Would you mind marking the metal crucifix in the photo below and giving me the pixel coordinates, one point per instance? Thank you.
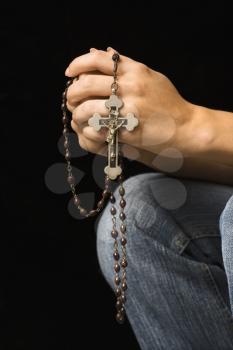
(113, 122)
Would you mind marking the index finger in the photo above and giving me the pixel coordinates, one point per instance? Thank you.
(96, 60)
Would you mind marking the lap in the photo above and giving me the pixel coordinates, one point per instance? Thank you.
(174, 259)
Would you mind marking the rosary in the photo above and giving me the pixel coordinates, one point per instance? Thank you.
(113, 172)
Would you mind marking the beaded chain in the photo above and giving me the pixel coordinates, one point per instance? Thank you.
(120, 261)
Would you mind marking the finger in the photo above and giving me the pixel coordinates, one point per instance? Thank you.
(96, 60)
(70, 107)
(89, 86)
(92, 146)
(89, 133)
(85, 110)
(93, 135)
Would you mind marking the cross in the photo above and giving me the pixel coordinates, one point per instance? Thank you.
(113, 122)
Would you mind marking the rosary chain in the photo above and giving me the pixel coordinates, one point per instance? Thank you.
(70, 176)
(120, 263)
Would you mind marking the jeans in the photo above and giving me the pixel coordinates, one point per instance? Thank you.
(180, 261)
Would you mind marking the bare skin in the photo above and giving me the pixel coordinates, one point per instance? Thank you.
(169, 126)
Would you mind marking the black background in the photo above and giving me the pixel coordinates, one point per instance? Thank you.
(53, 295)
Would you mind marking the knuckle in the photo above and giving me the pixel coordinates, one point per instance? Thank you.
(141, 68)
(86, 81)
(83, 143)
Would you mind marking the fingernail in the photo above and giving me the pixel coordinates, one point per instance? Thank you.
(92, 49)
(67, 72)
(109, 48)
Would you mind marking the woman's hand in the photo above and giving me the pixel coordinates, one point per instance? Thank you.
(165, 118)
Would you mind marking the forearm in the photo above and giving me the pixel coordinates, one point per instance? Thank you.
(206, 145)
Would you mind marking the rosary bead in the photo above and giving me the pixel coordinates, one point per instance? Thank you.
(114, 234)
(124, 263)
(121, 178)
(122, 310)
(92, 213)
(64, 94)
(115, 57)
(123, 228)
(105, 194)
(83, 211)
(76, 201)
(100, 203)
(66, 143)
(117, 280)
(122, 191)
(64, 119)
(123, 241)
(71, 180)
(118, 292)
(123, 298)
(116, 256)
(63, 107)
(107, 181)
(65, 131)
(112, 199)
(67, 155)
(117, 267)
(69, 82)
(122, 203)
(113, 210)
(124, 286)
(122, 215)
(118, 304)
(120, 317)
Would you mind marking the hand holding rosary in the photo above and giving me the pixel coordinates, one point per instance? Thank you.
(113, 172)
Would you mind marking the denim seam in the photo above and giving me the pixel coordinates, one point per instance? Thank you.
(218, 294)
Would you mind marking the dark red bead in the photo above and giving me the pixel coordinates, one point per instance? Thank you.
(122, 215)
(120, 318)
(123, 241)
(115, 57)
(123, 228)
(117, 267)
(69, 82)
(117, 280)
(124, 263)
(118, 292)
(114, 234)
(92, 213)
(67, 155)
(112, 199)
(83, 211)
(66, 143)
(71, 180)
(120, 178)
(76, 201)
(65, 131)
(113, 210)
(105, 194)
(122, 203)
(124, 286)
(100, 203)
(122, 191)
(123, 298)
(118, 304)
(64, 119)
(116, 255)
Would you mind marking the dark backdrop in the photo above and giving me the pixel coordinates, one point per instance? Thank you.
(53, 295)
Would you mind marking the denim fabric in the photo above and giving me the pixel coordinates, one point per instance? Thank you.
(180, 270)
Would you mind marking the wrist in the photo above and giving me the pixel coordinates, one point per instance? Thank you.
(198, 133)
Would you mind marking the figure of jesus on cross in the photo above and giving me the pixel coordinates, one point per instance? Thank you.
(113, 122)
